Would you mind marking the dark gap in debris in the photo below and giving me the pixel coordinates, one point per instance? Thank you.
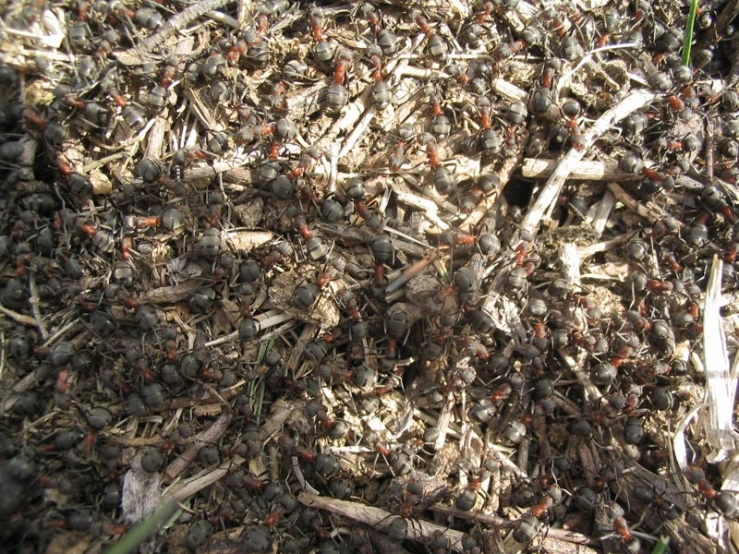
(518, 192)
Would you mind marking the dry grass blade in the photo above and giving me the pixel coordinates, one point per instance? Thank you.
(720, 400)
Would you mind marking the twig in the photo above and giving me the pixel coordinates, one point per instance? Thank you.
(422, 531)
(185, 490)
(553, 540)
(587, 170)
(19, 318)
(34, 300)
(264, 321)
(550, 193)
(653, 212)
(410, 272)
(442, 425)
(309, 331)
(570, 260)
(709, 146)
(223, 18)
(179, 21)
(209, 436)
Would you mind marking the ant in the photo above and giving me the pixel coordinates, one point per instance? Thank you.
(654, 175)
(115, 94)
(616, 514)
(551, 67)
(342, 64)
(168, 73)
(731, 252)
(316, 21)
(725, 502)
(423, 24)
(508, 50)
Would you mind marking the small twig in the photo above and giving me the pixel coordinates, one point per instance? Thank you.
(19, 318)
(709, 146)
(206, 478)
(410, 272)
(442, 426)
(309, 331)
(550, 193)
(570, 260)
(179, 21)
(223, 18)
(553, 540)
(720, 385)
(586, 170)
(34, 300)
(264, 321)
(418, 530)
(586, 252)
(653, 213)
(209, 436)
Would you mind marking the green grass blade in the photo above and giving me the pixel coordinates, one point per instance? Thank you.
(661, 546)
(143, 530)
(688, 42)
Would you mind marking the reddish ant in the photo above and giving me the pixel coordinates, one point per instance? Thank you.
(657, 176)
(302, 226)
(725, 502)
(423, 24)
(315, 20)
(508, 50)
(731, 252)
(376, 62)
(305, 454)
(476, 348)
(115, 94)
(274, 516)
(432, 154)
(675, 103)
(576, 136)
(73, 102)
(341, 67)
(34, 119)
(670, 260)
(550, 70)
(62, 381)
(659, 286)
(483, 12)
(622, 529)
(501, 393)
(169, 72)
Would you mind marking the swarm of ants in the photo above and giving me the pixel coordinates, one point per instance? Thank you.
(274, 260)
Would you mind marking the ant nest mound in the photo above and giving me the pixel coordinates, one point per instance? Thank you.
(439, 276)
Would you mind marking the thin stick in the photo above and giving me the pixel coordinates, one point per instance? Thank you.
(19, 318)
(550, 193)
(34, 300)
(653, 213)
(179, 21)
(422, 531)
(553, 540)
(209, 436)
(587, 170)
(410, 272)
